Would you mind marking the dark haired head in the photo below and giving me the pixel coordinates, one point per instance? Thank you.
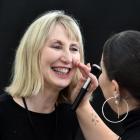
(121, 58)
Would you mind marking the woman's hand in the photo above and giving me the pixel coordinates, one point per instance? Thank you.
(85, 73)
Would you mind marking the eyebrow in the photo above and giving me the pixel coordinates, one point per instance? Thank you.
(61, 43)
(57, 41)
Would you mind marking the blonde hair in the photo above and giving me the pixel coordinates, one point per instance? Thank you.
(27, 79)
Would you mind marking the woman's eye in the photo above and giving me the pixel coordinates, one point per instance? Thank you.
(56, 46)
(75, 49)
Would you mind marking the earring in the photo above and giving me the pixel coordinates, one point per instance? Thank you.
(117, 101)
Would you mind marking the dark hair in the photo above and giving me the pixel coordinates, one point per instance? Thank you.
(121, 58)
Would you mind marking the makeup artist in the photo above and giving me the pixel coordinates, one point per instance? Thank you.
(120, 83)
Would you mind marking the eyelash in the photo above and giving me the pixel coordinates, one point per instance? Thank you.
(56, 46)
(74, 49)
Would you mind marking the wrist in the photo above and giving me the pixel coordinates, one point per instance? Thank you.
(83, 106)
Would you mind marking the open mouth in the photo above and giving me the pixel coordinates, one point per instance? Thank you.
(61, 70)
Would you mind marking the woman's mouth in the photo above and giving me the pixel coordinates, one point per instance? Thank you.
(61, 70)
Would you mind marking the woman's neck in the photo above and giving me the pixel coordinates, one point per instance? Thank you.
(42, 103)
(132, 104)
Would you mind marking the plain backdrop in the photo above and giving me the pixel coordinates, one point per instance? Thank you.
(98, 19)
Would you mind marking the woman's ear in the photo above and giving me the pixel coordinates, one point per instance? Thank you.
(115, 87)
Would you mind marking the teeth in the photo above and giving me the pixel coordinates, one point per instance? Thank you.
(61, 70)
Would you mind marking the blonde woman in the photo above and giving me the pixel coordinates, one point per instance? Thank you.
(48, 73)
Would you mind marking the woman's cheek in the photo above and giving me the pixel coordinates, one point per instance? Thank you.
(76, 58)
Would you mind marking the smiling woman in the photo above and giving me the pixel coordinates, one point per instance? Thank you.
(57, 58)
(49, 71)
(42, 36)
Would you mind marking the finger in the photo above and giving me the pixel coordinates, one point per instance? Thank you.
(84, 69)
(89, 66)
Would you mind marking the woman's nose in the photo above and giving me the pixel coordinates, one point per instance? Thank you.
(66, 57)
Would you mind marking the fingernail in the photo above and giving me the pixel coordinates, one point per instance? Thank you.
(88, 64)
